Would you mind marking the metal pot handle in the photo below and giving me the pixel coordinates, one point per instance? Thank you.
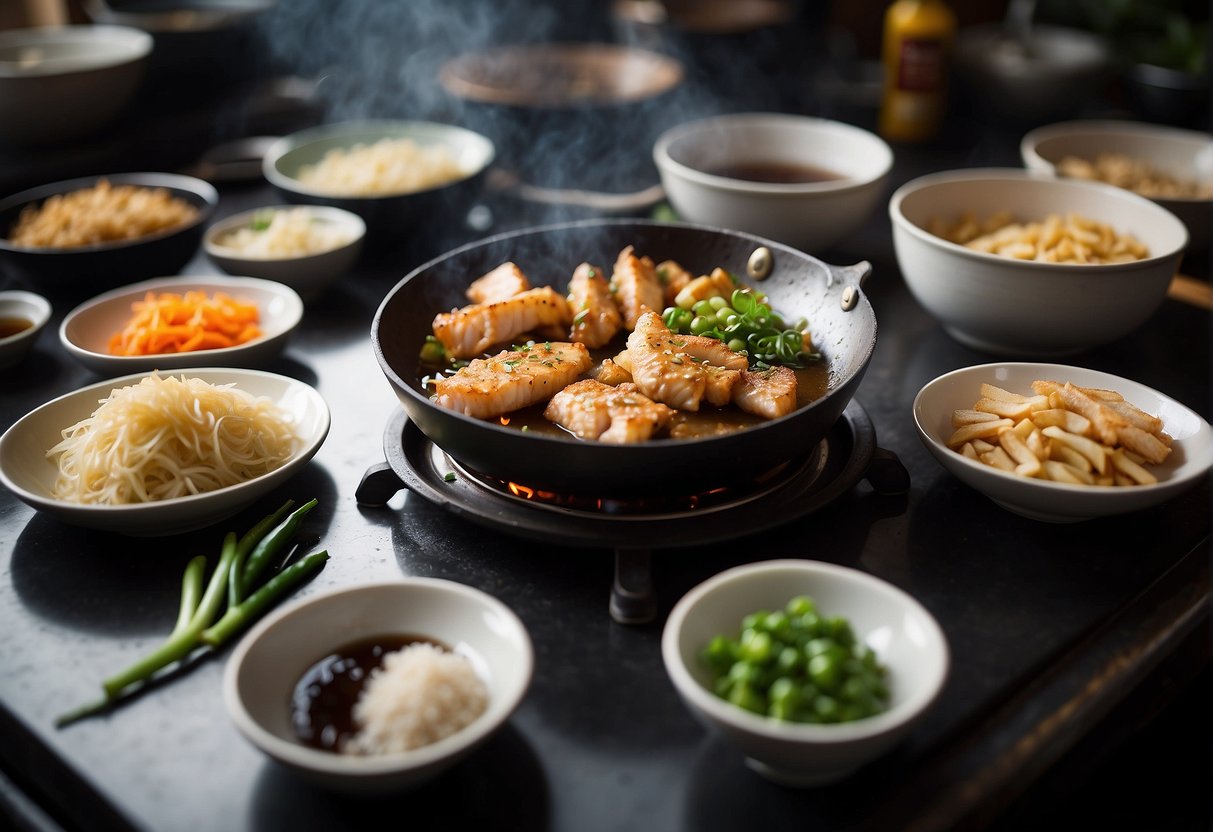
(852, 279)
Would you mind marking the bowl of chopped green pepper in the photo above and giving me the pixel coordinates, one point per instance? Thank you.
(811, 669)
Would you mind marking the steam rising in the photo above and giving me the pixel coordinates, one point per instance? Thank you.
(383, 58)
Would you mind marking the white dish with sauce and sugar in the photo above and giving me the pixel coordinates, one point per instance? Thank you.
(269, 662)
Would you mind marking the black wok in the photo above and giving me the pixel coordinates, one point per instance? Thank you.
(840, 317)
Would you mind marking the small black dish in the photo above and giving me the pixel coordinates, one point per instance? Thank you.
(87, 270)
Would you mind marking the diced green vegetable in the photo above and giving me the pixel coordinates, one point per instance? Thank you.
(746, 324)
(433, 351)
(797, 665)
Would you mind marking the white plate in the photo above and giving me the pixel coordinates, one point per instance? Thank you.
(1190, 459)
(86, 330)
(29, 474)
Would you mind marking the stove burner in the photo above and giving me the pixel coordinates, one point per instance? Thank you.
(633, 529)
(669, 506)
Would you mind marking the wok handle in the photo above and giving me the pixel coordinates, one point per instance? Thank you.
(379, 485)
(851, 278)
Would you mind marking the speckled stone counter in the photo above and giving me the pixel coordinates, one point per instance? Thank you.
(1049, 625)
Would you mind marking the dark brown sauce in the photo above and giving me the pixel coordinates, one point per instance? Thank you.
(11, 325)
(774, 172)
(322, 704)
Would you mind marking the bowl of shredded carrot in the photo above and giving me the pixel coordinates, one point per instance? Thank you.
(175, 322)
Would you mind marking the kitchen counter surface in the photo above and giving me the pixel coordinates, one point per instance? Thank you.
(1050, 626)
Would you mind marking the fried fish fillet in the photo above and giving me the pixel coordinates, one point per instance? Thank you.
(472, 330)
(596, 318)
(621, 415)
(769, 393)
(503, 282)
(512, 379)
(635, 286)
(675, 369)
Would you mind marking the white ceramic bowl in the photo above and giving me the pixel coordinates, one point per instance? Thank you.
(267, 663)
(30, 475)
(308, 274)
(59, 83)
(1183, 154)
(21, 306)
(395, 213)
(1189, 461)
(904, 635)
(1027, 308)
(811, 216)
(86, 330)
(1060, 68)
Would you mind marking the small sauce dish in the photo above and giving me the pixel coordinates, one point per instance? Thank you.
(22, 317)
(267, 666)
(311, 247)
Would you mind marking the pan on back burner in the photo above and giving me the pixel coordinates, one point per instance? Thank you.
(634, 528)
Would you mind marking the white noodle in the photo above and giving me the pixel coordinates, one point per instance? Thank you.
(170, 437)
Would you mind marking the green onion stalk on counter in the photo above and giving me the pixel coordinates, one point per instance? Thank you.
(250, 578)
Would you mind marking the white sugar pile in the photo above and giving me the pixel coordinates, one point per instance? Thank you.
(421, 694)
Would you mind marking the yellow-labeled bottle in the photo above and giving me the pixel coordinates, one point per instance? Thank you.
(917, 46)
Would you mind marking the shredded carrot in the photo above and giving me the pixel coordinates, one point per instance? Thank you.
(170, 322)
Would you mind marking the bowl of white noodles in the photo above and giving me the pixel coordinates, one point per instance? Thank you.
(163, 453)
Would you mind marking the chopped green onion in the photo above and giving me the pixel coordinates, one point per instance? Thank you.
(433, 351)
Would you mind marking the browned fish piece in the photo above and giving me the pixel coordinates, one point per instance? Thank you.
(620, 415)
(719, 384)
(672, 277)
(677, 369)
(768, 393)
(611, 373)
(503, 282)
(512, 379)
(472, 330)
(635, 287)
(712, 351)
(596, 318)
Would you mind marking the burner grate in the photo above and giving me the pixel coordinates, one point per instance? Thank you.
(847, 455)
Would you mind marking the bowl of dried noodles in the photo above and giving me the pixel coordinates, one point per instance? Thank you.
(155, 453)
(81, 236)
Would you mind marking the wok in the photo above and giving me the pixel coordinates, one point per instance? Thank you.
(840, 317)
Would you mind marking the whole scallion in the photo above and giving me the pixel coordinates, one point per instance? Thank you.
(235, 588)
